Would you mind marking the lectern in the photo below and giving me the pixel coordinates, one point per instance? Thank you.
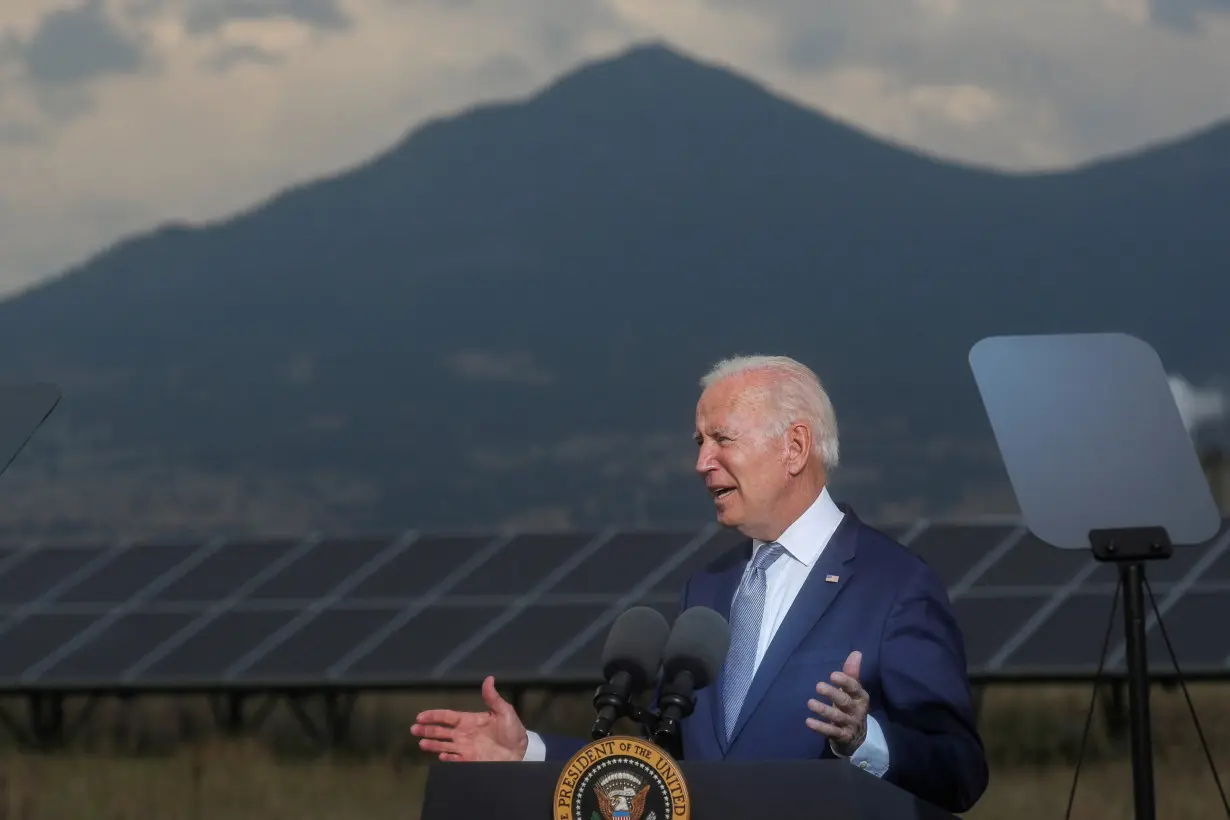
(625, 787)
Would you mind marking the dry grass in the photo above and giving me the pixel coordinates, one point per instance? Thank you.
(162, 759)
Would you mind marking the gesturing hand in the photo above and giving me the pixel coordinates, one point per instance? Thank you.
(496, 734)
(845, 722)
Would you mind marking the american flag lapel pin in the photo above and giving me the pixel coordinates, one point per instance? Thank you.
(832, 579)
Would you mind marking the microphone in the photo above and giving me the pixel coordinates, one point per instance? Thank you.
(630, 659)
(694, 654)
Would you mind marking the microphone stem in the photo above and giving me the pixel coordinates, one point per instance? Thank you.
(677, 702)
(611, 701)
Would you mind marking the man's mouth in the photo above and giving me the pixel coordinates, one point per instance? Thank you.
(721, 492)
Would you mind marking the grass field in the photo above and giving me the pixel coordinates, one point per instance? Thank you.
(156, 759)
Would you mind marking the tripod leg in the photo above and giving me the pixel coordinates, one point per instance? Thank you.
(1138, 688)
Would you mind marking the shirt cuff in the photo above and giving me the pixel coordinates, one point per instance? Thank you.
(536, 750)
(872, 755)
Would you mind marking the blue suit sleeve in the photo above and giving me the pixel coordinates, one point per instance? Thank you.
(927, 713)
(557, 747)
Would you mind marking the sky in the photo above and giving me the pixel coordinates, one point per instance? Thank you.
(120, 115)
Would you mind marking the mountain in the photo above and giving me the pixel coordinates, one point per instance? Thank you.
(503, 317)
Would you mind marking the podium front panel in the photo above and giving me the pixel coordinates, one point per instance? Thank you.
(783, 790)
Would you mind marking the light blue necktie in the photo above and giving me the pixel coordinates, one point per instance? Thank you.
(745, 616)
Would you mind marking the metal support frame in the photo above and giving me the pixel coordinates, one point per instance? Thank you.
(324, 715)
(46, 726)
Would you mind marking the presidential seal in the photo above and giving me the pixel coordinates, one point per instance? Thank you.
(621, 778)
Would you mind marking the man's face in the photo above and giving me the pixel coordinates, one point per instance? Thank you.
(744, 470)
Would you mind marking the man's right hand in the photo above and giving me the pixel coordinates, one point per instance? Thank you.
(494, 735)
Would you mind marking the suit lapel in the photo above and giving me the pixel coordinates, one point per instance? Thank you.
(718, 597)
(809, 606)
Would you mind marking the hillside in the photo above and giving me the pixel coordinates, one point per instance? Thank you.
(504, 316)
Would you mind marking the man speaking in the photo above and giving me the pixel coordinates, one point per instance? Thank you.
(842, 642)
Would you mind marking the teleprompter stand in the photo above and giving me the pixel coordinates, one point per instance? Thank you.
(1099, 459)
(1130, 548)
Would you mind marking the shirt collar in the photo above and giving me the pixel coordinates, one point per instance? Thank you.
(806, 538)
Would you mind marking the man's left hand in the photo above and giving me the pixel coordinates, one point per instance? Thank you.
(845, 722)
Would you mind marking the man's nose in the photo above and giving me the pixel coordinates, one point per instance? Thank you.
(704, 460)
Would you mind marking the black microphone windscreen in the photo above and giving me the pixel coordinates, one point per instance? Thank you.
(698, 644)
(634, 644)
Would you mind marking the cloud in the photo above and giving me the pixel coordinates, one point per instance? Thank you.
(1046, 83)
(1199, 407)
(229, 57)
(209, 15)
(1187, 15)
(116, 115)
(238, 111)
(77, 44)
(50, 61)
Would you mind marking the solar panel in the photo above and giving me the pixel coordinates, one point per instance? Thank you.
(130, 572)
(204, 654)
(27, 641)
(721, 542)
(311, 651)
(1196, 626)
(524, 562)
(953, 550)
(643, 587)
(454, 608)
(1174, 568)
(221, 573)
(104, 658)
(10, 556)
(1069, 642)
(420, 567)
(1034, 563)
(40, 571)
(622, 562)
(580, 665)
(988, 623)
(529, 640)
(320, 570)
(894, 531)
(1219, 570)
(1070, 639)
(414, 649)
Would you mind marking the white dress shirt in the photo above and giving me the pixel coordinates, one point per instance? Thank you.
(803, 542)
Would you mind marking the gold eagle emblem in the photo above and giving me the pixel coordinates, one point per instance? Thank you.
(634, 804)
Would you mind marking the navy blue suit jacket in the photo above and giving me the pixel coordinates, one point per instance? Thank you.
(892, 607)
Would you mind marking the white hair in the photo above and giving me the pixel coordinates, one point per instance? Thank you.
(796, 395)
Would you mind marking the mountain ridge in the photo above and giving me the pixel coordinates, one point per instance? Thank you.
(1210, 142)
(503, 315)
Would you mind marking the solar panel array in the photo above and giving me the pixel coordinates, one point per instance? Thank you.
(432, 608)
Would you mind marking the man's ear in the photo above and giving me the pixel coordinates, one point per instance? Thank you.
(798, 448)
